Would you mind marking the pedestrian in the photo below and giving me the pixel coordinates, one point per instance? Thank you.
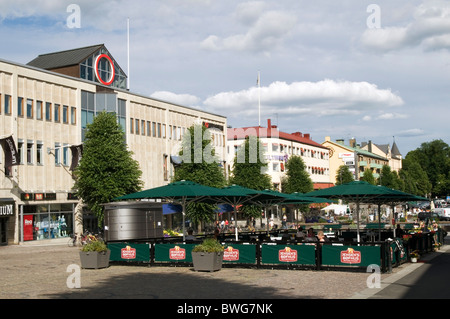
(322, 237)
(300, 234)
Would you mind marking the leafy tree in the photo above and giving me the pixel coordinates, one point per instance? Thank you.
(416, 176)
(368, 177)
(434, 158)
(248, 171)
(106, 169)
(343, 175)
(388, 178)
(200, 165)
(297, 178)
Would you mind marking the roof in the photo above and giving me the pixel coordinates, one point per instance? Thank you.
(263, 132)
(65, 58)
(358, 150)
(395, 151)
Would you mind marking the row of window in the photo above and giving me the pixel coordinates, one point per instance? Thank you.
(31, 109)
(155, 129)
(31, 152)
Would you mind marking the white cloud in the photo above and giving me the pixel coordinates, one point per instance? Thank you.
(392, 116)
(327, 97)
(429, 28)
(411, 132)
(181, 99)
(263, 34)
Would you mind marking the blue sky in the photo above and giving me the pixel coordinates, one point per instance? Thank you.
(343, 69)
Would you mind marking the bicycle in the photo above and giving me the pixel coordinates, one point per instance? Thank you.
(76, 240)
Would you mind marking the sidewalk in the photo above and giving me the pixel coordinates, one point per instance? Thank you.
(41, 272)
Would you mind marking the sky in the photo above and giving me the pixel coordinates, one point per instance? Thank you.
(375, 70)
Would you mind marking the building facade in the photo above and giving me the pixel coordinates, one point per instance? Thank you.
(278, 147)
(45, 107)
(353, 156)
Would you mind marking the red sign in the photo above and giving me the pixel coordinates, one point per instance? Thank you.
(231, 254)
(128, 253)
(27, 227)
(350, 256)
(177, 253)
(287, 255)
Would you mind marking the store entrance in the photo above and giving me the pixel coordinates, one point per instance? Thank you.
(3, 231)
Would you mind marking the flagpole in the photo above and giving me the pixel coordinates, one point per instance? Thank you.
(259, 99)
(128, 53)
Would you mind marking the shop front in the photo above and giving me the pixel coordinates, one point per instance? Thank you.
(6, 220)
(46, 221)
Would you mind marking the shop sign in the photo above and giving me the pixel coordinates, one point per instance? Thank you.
(128, 253)
(6, 210)
(288, 255)
(350, 256)
(177, 253)
(27, 227)
(231, 254)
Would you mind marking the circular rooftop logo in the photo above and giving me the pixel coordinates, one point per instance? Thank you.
(97, 71)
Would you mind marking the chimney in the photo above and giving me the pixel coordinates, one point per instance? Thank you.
(307, 135)
(269, 123)
(340, 141)
(370, 146)
(299, 134)
(352, 142)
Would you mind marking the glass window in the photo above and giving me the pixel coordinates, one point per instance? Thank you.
(66, 155)
(20, 106)
(29, 108)
(65, 114)
(39, 148)
(57, 112)
(154, 129)
(20, 151)
(30, 152)
(143, 127)
(48, 111)
(57, 154)
(73, 115)
(7, 104)
(131, 125)
(137, 126)
(149, 131)
(39, 110)
(159, 129)
(164, 130)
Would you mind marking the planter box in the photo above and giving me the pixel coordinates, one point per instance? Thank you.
(207, 261)
(94, 260)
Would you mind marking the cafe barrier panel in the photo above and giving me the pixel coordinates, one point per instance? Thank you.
(290, 254)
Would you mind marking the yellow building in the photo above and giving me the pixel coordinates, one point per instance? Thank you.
(45, 107)
(356, 158)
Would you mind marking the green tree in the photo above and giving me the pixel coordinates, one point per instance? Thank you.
(388, 178)
(416, 176)
(248, 171)
(343, 175)
(106, 169)
(368, 177)
(434, 159)
(297, 178)
(200, 165)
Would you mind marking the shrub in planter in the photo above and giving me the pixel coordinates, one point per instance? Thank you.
(208, 256)
(95, 255)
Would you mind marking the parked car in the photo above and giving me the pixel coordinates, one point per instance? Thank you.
(431, 215)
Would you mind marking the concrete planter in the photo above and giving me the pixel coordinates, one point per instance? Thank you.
(207, 261)
(94, 259)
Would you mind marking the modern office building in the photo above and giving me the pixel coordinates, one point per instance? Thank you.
(45, 107)
(279, 147)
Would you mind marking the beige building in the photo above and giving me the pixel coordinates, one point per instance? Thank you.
(279, 147)
(45, 107)
(353, 156)
(385, 150)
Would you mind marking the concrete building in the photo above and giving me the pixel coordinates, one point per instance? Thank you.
(352, 155)
(385, 150)
(279, 147)
(45, 107)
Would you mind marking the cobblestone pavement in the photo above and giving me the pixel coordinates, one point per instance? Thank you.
(41, 272)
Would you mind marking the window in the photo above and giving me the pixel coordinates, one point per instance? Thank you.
(39, 157)
(57, 154)
(66, 155)
(7, 104)
(164, 130)
(48, 111)
(73, 115)
(65, 114)
(170, 131)
(149, 131)
(143, 127)
(0, 103)
(165, 171)
(29, 108)
(131, 125)
(30, 152)
(20, 106)
(159, 129)
(154, 129)
(57, 113)
(20, 151)
(39, 110)
(137, 126)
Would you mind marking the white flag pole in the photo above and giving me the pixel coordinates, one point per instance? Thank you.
(259, 99)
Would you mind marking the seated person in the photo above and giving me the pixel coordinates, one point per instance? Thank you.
(190, 235)
(300, 233)
(321, 236)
